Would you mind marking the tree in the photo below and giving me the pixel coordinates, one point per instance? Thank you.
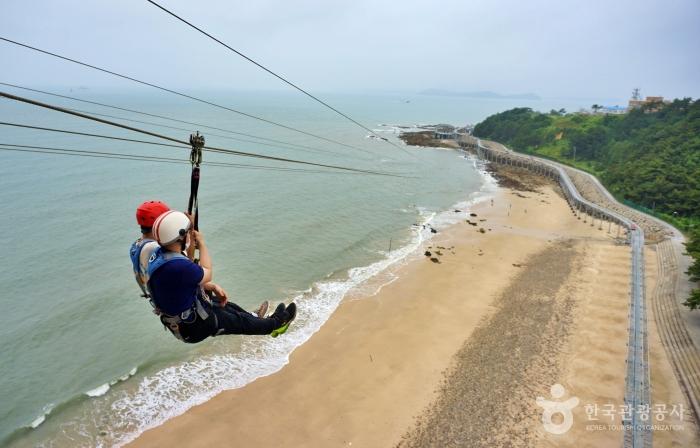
(693, 302)
(589, 143)
(650, 158)
(692, 248)
(596, 108)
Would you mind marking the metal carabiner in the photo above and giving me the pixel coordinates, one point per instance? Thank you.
(197, 142)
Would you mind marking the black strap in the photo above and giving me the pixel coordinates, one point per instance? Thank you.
(197, 142)
(193, 203)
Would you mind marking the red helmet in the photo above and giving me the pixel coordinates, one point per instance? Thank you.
(149, 211)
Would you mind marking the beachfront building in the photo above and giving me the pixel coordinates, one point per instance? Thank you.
(467, 129)
(445, 132)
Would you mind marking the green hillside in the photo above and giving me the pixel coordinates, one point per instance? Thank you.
(649, 158)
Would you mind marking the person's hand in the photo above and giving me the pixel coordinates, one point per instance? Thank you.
(220, 294)
(198, 238)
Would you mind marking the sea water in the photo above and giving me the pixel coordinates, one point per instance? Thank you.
(84, 361)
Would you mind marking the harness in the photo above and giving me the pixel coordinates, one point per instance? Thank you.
(147, 255)
(140, 252)
(157, 259)
(189, 316)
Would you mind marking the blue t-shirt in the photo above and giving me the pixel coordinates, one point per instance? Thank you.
(174, 285)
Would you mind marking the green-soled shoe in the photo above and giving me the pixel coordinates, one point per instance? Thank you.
(291, 313)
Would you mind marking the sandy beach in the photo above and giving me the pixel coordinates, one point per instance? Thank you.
(455, 353)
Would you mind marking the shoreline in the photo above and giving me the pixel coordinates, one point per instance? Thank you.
(337, 326)
(416, 360)
(385, 355)
(374, 277)
(377, 280)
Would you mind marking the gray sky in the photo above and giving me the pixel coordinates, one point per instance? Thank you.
(588, 49)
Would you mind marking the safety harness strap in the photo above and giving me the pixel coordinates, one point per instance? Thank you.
(193, 204)
(159, 258)
(189, 316)
(197, 142)
(140, 253)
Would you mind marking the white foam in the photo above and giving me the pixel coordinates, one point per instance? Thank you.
(124, 377)
(42, 418)
(398, 129)
(38, 421)
(98, 391)
(172, 391)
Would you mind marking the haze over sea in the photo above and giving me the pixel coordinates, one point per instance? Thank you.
(85, 362)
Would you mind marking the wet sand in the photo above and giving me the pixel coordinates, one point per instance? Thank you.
(451, 353)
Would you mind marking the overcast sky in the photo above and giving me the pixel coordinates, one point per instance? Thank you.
(556, 49)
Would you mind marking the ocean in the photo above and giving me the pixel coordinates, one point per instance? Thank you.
(84, 361)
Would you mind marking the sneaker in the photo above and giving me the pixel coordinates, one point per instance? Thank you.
(279, 313)
(262, 310)
(288, 315)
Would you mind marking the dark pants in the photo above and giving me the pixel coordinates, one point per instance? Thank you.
(231, 319)
(233, 307)
(235, 320)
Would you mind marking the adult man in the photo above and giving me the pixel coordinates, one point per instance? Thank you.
(142, 249)
(180, 289)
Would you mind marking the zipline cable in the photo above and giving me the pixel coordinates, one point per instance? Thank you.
(131, 140)
(316, 151)
(184, 95)
(138, 157)
(87, 134)
(281, 78)
(59, 151)
(182, 142)
(163, 117)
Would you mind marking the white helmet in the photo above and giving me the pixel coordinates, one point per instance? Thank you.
(170, 227)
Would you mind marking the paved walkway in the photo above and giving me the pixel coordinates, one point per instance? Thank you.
(679, 327)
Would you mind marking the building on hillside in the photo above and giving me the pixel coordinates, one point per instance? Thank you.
(615, 110)
(639, 103)
(604, 110)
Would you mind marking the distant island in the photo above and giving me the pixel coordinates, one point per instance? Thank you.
(481, 94)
